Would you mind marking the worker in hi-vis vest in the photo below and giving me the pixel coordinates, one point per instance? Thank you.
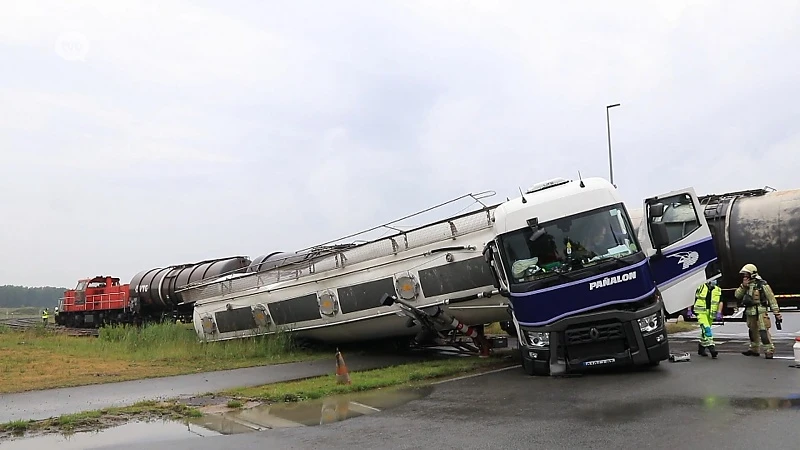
(707, 307)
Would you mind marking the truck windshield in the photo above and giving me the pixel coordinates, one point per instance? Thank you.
(567, 244)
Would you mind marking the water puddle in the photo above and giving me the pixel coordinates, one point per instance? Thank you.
(221, 420)
(757, 403)
(130, 433)
(309, 413)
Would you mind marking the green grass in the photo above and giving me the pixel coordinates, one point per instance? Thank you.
(318, 387)
(91, 420)
(40, 359)
(680, 327)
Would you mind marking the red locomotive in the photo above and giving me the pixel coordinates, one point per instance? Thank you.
(100, 299)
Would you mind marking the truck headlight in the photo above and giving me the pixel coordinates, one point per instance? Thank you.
(536, 339)
(650, 323)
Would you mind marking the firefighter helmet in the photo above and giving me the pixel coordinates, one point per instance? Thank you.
(749, 269)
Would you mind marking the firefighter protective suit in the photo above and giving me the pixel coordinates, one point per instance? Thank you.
(756, 296)
(706, 308)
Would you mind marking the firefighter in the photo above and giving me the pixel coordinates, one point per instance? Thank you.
(706, 308)
(44, 316)
(756, 296)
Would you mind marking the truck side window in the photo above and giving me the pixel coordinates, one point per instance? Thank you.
(679, 216)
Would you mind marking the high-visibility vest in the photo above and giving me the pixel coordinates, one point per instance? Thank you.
(701, 295)
(44, 314)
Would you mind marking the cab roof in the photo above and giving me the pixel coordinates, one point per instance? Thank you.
(554, 199)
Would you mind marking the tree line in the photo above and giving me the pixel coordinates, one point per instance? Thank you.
(19, 296)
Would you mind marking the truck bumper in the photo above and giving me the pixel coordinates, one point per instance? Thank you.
(599, 340)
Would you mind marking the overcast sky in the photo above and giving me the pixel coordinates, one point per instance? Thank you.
(137, 134)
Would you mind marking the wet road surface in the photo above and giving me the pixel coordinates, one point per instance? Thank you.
(44, 404)
(733, 336)
(733, 402)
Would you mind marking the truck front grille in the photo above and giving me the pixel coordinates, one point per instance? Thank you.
(595, 333)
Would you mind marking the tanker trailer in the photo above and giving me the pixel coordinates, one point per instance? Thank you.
(759, 226)
(153, 292)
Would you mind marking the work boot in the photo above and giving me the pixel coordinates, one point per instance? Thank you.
(701, 350)
(769, 355)
(750, 353)
(713, 351)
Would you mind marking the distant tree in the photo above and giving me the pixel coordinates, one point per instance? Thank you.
(39, 297)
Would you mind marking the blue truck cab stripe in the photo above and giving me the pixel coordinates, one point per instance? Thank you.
(625, 285)
(542, 307)
(680, 262)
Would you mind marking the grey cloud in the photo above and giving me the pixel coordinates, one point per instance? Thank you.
(198, 131)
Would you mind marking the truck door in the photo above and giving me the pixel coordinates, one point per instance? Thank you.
(677, 240)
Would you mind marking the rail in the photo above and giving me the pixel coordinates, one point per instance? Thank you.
(324, 257)
(21, 324)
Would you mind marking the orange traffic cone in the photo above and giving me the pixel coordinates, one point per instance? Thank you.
(342, 374)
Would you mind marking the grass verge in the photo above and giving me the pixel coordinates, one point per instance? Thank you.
(94, 420)
(40, 359)
(318, 387)
(680, 327)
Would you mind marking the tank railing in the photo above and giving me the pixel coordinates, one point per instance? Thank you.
(708, 198)
(340, 254)
(339, 259)
(469, 223)
(476, 197)
(477, 221)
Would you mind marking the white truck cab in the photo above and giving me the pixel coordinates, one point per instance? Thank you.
(585, 289)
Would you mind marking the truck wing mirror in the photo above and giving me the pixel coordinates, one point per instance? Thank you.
(660, 236)
(487, 252)
(655, 210)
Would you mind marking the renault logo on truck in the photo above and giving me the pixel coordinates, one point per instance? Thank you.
(608, 281)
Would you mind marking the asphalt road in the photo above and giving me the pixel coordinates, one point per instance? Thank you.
(733, 402)
(734, 336)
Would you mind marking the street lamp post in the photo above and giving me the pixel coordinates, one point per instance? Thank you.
(608, 126)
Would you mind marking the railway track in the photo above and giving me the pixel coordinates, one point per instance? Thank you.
(30, 322)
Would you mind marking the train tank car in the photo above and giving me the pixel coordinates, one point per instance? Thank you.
(153, 291)
(759, 226)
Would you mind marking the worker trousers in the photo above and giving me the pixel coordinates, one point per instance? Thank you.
(758, 326)
(706, 335)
